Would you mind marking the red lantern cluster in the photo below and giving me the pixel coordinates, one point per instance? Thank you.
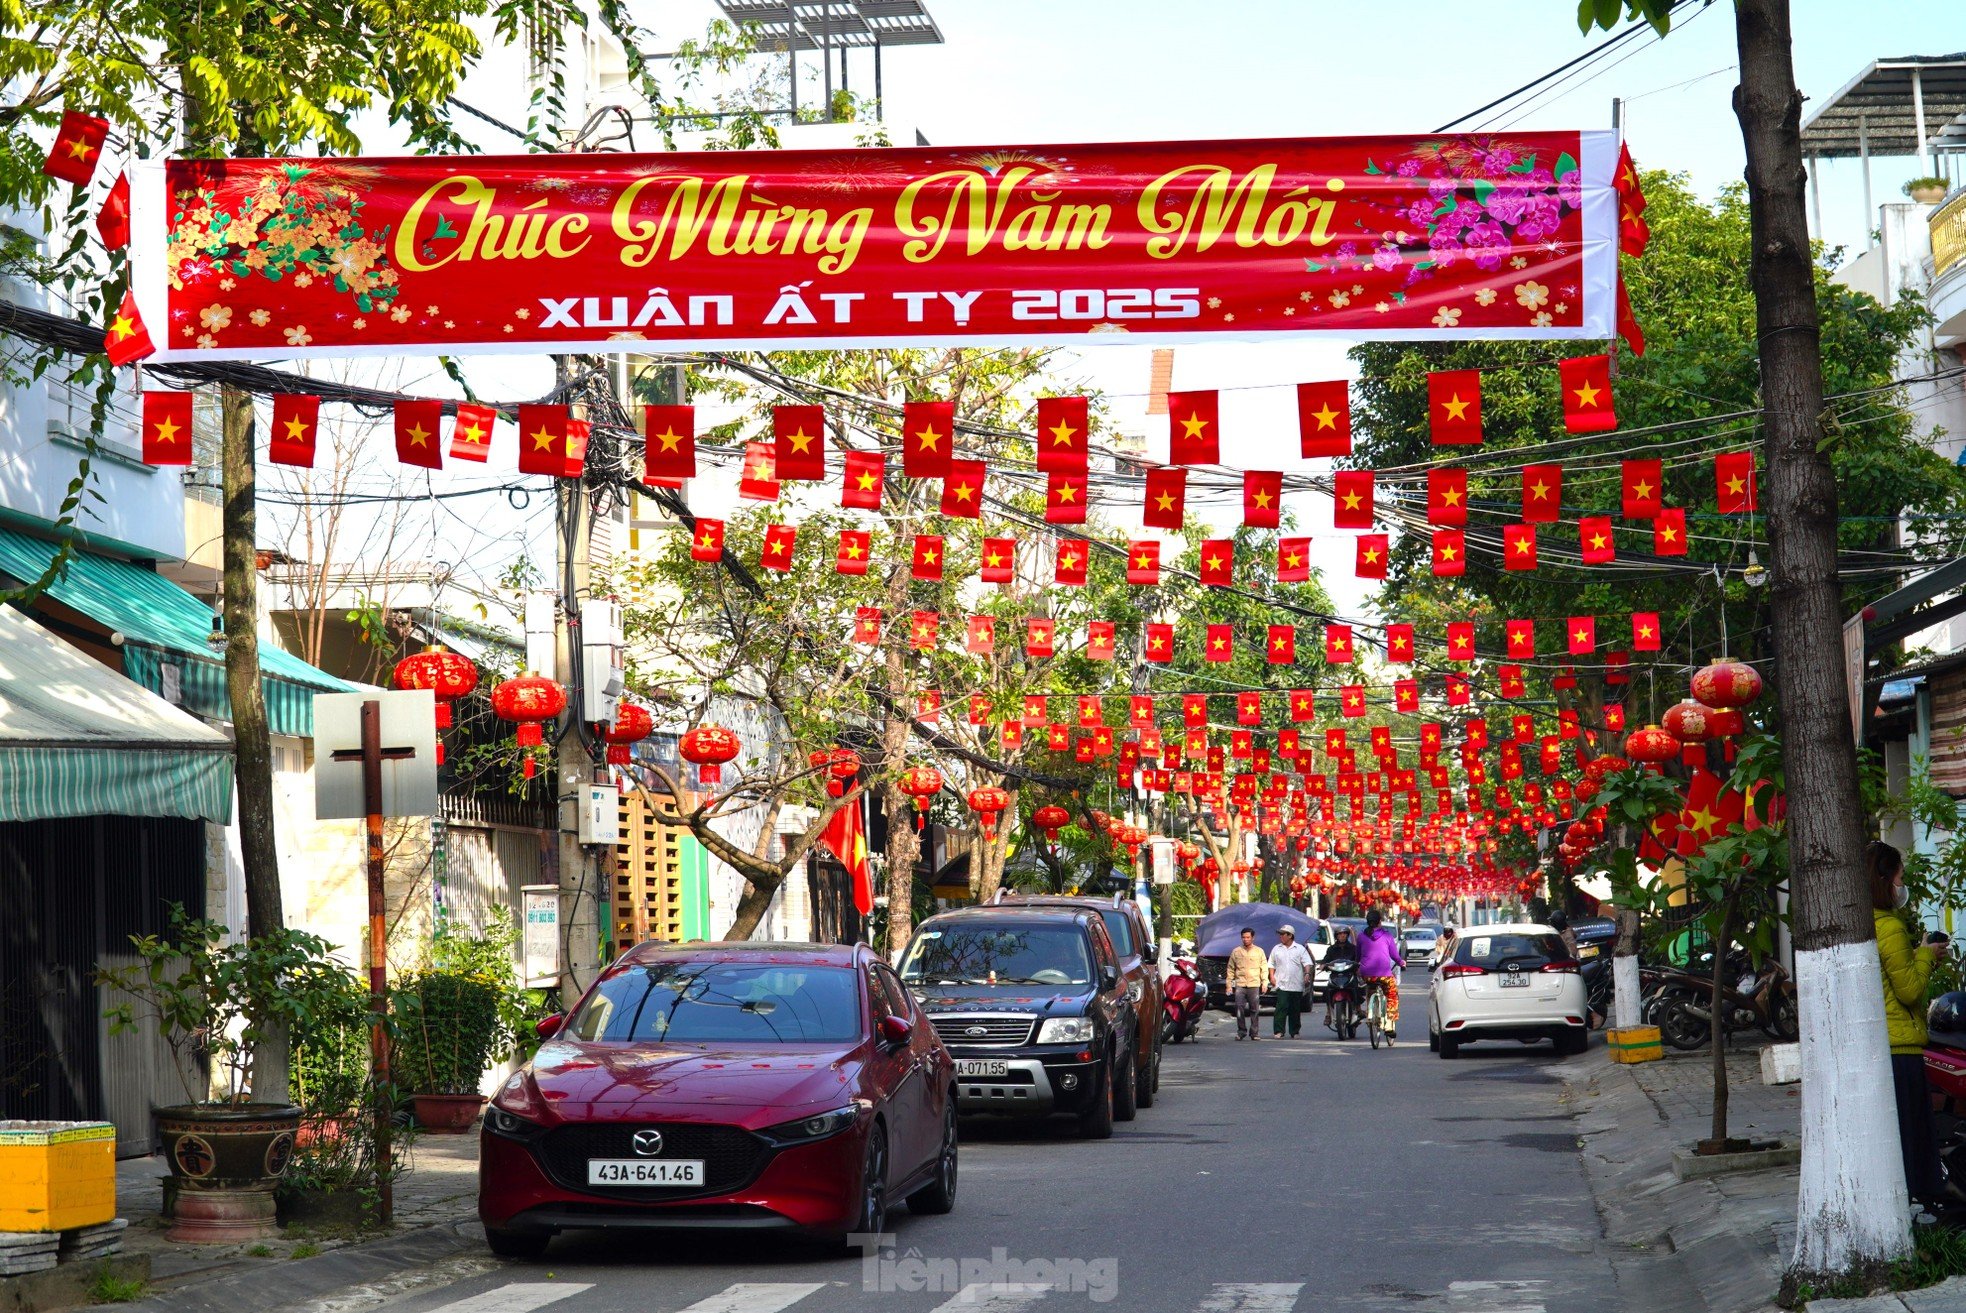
(921, 783)
(708, 747)
(529, 701)
(840, 764)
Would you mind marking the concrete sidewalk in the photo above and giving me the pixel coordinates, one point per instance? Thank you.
(1710, 1245)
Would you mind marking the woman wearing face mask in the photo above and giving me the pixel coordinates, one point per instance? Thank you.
(1905, 971)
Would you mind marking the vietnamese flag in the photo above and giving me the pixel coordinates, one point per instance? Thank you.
(1521, 636)
(928, 438)
(1064, 498)
(1669, 532)
(1167, 496)
(1406, 696)
(1625, 179)
(1283, 645)
(707, 541)
(1373, 549)
(846, 835)
(1645, 631)
(758, 480)
(77, 148)
(1068, 566)
(668, 441)
(167, 428)
(1324, 419)
(1586, 385)
(1447, 497)
(1351, 499)
(775, 553)
(1218, 562)
(1143, 562)
(471, 432)
(113, 219)
(416, 425)
(1040, 633)
(1513, 683)
(1159, 644)
(923, 627)
(1338, 645)
(928, 557)
(999, 560)
(1450, 553)
(856, 547)
(1061, 440)
(1351, 700)
(1583, 635)
(1643, 485)
(1090, 710)
(126, 338)
(867, 624)
(1733, 482)
(1628, 328)
(543, 435)
(1634, 234)
(1518, 547)
(860, 485)
(1460, 640)
(1191, 429)
(1399, 643)
(1220, 643)
(1303, 704)
(982, 636)
(1262, 499)
(1454, 407)
(1614, 716)
(1542, 493)
(799, 441)
(1293, 560)
(1099, 640)
(962, 489)
(1595, 540)
(296, 423)
(928, 705)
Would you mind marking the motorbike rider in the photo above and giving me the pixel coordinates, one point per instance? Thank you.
(1342, 949)
(1379, 961)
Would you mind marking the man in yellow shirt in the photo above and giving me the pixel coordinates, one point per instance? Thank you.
(1249, 976)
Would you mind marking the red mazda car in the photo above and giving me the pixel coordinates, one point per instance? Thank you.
(763, 1086)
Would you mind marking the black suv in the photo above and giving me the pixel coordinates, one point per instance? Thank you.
(1031, 1003)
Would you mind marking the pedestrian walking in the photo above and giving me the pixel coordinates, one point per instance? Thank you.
(1249, 972)
(1290, 967)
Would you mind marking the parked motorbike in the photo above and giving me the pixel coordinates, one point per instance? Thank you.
(1186, 1000)
(1347, 991)
(1760, 999)
(1945, 1077)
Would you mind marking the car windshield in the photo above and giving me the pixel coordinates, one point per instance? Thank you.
(1500, 951)
(1120, 929)
(998, 955)
(722, 1003)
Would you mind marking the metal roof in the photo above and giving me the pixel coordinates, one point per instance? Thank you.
(1877, 104)
(827, 24)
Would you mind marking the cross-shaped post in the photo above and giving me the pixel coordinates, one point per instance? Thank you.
(372, 754)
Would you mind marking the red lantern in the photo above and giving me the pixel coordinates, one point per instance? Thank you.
(1051, 820)
(1689, 721)
(1187, 851)
(1725, 722)
(840, 765)
(921, 783)
(1652, 744)
(445, 673)
(631, 725)
(528, 700)
(1600, 767)
(1727, 684)
(988, 803)
(709, 747)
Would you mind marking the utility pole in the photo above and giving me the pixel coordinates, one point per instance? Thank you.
(1852, 1209)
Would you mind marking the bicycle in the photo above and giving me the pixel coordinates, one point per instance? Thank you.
(1375, 1012)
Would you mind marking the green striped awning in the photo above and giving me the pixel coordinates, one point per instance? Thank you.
(163, 625)
(41, 783)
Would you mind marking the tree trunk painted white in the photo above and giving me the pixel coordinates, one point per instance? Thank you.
(1624, 997)
(1852, 1207)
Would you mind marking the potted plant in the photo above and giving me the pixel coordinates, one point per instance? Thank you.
(448, 1034)
(1927, 191)
(215, 1002)
(330, 1184)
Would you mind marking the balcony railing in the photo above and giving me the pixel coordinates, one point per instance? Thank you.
(1949, 234)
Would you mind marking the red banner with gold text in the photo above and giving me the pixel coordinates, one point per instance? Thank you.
(1383, 237)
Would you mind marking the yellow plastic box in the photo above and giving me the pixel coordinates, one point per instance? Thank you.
(55, 1176)
(1634, 1044)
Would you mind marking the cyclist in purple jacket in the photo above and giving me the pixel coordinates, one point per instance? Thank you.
(1379, 962)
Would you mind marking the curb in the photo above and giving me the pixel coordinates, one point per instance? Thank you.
(278, 1284)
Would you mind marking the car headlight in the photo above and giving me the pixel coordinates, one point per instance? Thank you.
(1065, 1030)
(815, 1127)
(506, 1123)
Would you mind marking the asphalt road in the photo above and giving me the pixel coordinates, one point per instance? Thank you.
(1307, 1175)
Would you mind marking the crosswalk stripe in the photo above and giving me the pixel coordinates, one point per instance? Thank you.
(1496, 1296)
(516, 1297)
(1252, 1297)
(756, 1297)
(993, 1297)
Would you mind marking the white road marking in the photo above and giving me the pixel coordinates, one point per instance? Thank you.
(993, 1297)
(1252, 1297)
(1495, 1296)
(756, 1297)
(516, 1297)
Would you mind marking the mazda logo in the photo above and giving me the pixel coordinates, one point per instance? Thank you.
(648, 1143)
(977, 1031)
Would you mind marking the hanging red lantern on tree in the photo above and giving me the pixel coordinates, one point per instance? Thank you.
(1689, 721)
(1051, 819)
(988, 803)
(921, 783)
(1187, 850)
(631, 725)
(840, 764)
(447, 675)
(529, 700)
(1653, 744)
(708, 747)
(1727, 684)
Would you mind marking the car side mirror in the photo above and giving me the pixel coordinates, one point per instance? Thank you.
(1109, 978)
(1150, 954)
(548, 1027)
(894, 1031)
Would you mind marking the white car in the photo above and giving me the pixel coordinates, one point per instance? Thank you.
(1513, 982)
(1416, 944)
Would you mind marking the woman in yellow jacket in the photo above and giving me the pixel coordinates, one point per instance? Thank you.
(1906, 970)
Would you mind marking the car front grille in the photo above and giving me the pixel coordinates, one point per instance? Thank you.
(996, 1031)
(732, 1157)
